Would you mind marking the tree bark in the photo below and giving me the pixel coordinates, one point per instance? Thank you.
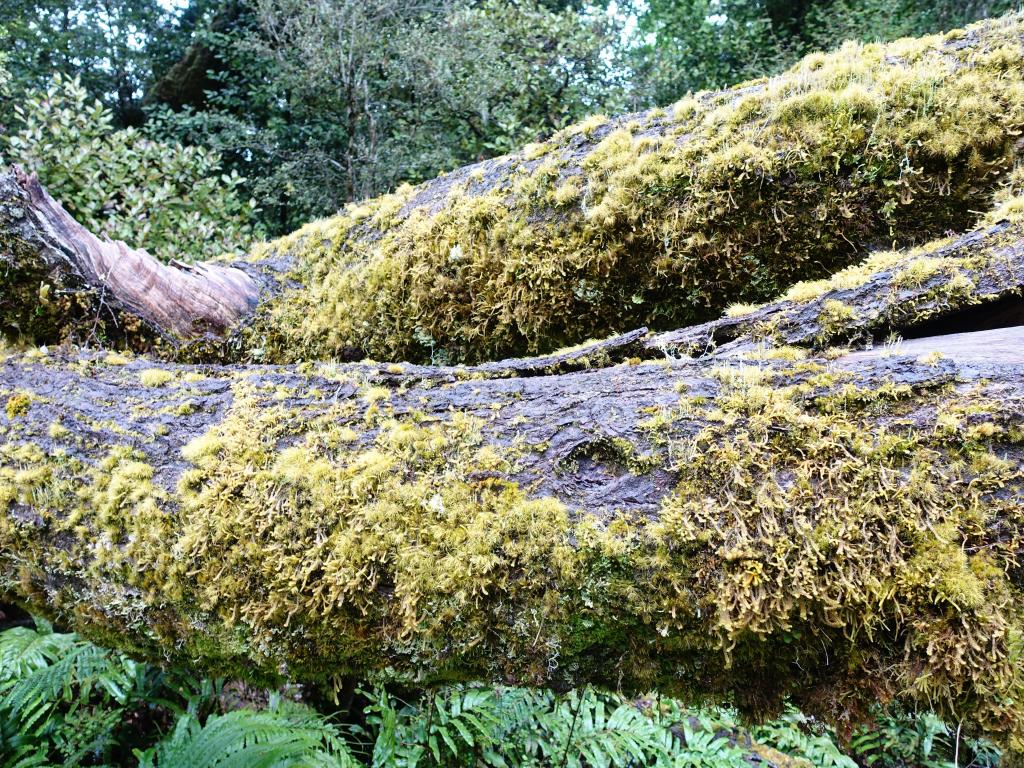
(836, 531)
(58, 279)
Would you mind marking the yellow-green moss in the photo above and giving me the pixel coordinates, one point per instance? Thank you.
(739, 310)
(18, 405)
(791, 180)
(401, 512)
(155, 377)
(872, 519)
(591, 124)
(1009, 198)
(821, 528)
(834, 318)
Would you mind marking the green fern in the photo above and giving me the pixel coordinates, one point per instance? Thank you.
(506, 727)
(18, 750)
(286, 734)
(455, 723)
(598, 731)
(794, 734)
(896, 739)
(694, 737)
(70, 679)
(24, 651)
(65, 700)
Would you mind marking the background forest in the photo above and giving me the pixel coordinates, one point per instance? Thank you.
(194, 128)
(291, 108)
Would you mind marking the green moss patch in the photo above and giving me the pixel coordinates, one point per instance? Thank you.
(663, 222)
(829, 537)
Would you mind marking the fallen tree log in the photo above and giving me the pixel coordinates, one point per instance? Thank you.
(657, 219)
(836, 531)
(742, 510)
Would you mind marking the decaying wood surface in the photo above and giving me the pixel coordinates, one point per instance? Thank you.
(87, 278)
(539, 524)
(792, 503)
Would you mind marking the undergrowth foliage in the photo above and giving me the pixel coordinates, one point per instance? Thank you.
(64, 701)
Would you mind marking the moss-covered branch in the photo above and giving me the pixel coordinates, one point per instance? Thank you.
(838, 531)
(969, 282)
(664, 218)
(659, 219)
(772, 518)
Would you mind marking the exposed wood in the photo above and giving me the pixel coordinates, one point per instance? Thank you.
(54, 271)
(1000, 345)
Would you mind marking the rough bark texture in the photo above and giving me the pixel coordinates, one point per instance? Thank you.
(838, 531)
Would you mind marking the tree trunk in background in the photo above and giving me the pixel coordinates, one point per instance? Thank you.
(656, 219)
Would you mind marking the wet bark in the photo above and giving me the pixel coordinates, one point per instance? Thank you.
(553, 522)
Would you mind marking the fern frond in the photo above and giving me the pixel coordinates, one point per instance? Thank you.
(24, 650)
(286, 735)
(72, 676)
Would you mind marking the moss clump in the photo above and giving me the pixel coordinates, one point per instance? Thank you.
(155, 377)
(819, 534)
(883, 525)
(835, 317)
(18, 405)
(399, 514)
(664, 224)
(1009, 198)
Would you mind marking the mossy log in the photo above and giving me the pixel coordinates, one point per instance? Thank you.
(778, 503)
(658, 219)
(839, 529)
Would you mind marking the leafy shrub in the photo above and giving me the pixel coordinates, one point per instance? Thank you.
(170, 199)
